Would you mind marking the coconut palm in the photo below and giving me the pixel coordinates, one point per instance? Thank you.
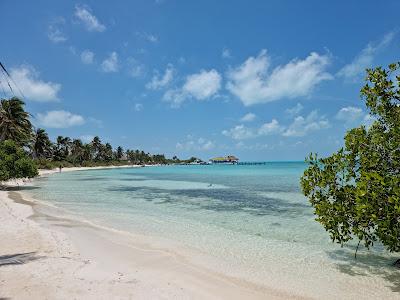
(108, 152)
(119, 153)
(87, 152)
(77, 151)
(96, 148)
(62, 148)
(14, 121)
(41, 145)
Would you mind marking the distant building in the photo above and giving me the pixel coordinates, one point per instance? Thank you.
(230, 159)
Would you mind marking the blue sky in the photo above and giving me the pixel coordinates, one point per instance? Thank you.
(263, 80)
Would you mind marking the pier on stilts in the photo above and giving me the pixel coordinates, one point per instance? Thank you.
(251, 163)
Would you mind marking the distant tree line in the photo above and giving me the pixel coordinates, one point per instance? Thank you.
(23, 149)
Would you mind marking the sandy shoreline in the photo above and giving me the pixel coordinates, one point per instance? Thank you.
(49, 257)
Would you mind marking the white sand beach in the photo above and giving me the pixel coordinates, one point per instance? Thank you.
(43, 256)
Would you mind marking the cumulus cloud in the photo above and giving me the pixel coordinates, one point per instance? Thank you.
(55, 32)
(87, 57)
(302, 126)
(90, 21)
(365, 58)
(241, 132)
(32, 87)
(249, 117)
(350, 114)
(272, 127)
(59, 119)
(295, 110)
(203, 85)
(253, 83)
(192, 144)
(110, 64)
(200, 86)
(158, 82)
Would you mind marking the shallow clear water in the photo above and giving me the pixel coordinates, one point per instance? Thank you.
(253, 219)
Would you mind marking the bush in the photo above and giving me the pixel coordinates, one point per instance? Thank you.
(15, 163)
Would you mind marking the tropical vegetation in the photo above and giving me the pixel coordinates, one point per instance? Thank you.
(356, 191)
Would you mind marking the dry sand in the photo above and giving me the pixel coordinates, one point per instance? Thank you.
(43, 256)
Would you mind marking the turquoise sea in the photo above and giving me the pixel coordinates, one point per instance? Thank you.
(251, 221)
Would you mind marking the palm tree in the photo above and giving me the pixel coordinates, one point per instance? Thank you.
(108, 152)
(62, 148)
(120, 153)
(96, 147)
(41, 144)
(77, 150)
(14, 121)
(87, 152)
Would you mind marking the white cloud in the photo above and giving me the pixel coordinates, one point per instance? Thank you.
(365, 58)
(301, 126)
(226, 53)
(151, 38)
(241, 132)
(27, 79)
(249, 117)
(175, 97)
(252, 83)
(138, 107)
(203, 85)
(54, 32)
(135, 68)
(295, 110)
(350, 114)
(89, 20)
(200, 86)
(192, 144)
(158, 82)
(59, 119)
(272, 127)
(110, 64)
(87, 57)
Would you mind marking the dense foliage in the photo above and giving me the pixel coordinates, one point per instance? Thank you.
(14, 162)
(356, 191)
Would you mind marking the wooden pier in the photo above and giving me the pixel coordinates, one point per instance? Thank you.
(251, 163)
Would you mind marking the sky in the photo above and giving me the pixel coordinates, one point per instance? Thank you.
(262, 80)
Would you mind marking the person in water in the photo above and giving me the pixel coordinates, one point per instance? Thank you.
(60, 167)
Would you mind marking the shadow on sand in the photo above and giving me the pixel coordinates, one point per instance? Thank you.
(367, 264)
(18, 258)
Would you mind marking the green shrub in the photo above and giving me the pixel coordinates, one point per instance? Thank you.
(14, 162)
